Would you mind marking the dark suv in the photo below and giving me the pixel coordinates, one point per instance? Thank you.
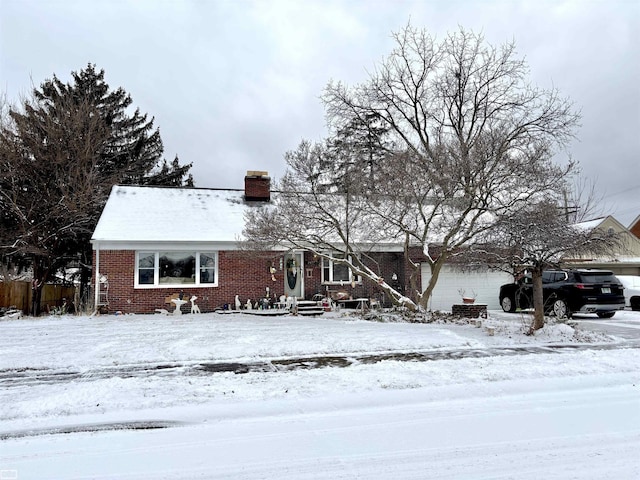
(567, 292)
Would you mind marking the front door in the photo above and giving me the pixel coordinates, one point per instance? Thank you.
(293, 277)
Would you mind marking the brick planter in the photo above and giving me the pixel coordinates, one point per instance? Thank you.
(466, 310)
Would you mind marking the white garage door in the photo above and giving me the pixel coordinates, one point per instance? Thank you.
(485, 283)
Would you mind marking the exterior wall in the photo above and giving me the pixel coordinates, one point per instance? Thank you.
(469, 311)
(242, 273)
(247, 275)
(237, 275)
(635, 229)
(384, 264)
(484, 283)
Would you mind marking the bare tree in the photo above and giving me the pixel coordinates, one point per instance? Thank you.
(470, 141)
(538, 237)
(582, 201)
(312, 211)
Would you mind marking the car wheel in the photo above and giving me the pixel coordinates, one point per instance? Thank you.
(605, 314)
(635, 304)
(508, 304)
(560, 309)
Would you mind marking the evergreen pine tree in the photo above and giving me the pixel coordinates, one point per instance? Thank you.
(61, 153)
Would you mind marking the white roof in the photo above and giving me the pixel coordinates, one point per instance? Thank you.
(589, 225)
(163, 214)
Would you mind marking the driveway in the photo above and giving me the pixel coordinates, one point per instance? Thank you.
(624, 325)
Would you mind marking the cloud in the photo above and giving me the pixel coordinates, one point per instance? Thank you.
(235, 84)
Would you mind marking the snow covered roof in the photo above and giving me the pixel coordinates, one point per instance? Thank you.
(136, 214)
(608, 223)
(588, 225)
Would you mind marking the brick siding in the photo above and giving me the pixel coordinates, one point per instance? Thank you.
(241, 273)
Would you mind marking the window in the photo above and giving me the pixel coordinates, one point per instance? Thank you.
(176, 269)
(335, 272)
(597, 277)
(553, 277)
(146, 268)
(207, 268)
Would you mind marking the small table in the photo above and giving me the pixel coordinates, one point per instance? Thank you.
(357, 303)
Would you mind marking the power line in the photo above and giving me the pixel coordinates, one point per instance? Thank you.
(637, 187)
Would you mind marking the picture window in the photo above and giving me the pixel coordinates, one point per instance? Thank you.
(176, 268)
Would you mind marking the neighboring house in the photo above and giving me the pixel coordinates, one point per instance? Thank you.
(623, 261)
(153, 242)
(635, 227)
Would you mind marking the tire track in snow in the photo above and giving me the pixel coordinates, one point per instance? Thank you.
(32, 376)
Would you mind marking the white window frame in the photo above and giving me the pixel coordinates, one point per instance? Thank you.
(156, 270)
(330, 280)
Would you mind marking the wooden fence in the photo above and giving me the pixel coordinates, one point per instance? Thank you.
(20, 295)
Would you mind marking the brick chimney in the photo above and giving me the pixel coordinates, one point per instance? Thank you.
(257, 186)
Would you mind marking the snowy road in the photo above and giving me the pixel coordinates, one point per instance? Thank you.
(147, 398)
(539, 430)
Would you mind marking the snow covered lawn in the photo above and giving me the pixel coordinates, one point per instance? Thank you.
(566, 413)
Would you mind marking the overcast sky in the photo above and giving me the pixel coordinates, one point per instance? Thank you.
(233, 85)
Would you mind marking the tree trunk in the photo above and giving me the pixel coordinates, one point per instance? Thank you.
(538, 299)
(436, 267)
(85, 282)
(40, 276)
(36, 295)
(415, 290)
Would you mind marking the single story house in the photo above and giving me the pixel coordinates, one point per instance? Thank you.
(154, 242)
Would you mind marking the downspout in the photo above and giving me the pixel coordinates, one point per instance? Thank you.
(96, 284)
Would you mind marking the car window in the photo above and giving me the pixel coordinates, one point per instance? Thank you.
(598, 277)
(552, 277)
(547, 277)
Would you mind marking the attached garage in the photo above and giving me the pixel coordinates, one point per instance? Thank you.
(485, 283)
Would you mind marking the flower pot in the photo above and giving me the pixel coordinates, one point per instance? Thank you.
(468, 300)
